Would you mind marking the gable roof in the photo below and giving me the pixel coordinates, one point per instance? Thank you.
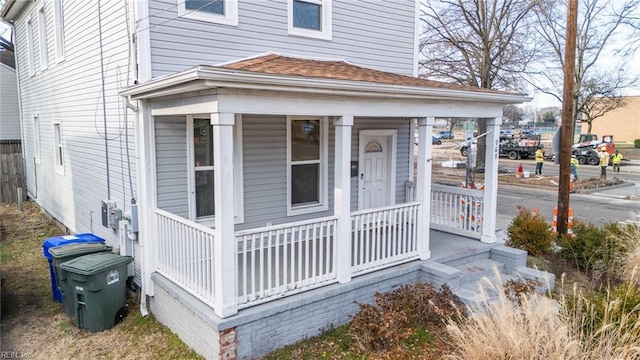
(337, 70)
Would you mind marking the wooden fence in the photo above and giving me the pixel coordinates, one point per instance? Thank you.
(11, 177)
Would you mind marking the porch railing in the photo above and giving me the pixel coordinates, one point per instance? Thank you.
(383, 237)
(457, 210)
(185, 254)
(278, 260)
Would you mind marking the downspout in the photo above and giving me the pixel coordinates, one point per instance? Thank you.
(22, 142)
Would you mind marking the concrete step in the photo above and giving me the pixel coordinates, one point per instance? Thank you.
(473, 271)
(467, 257)
(484, 290)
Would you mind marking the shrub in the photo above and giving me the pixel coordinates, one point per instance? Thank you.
(636, 143)
(402, 316)
(531, 232)
(602, 251)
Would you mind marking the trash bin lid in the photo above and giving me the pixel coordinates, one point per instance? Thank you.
(94, 263)
(77, 249)
(67, 239)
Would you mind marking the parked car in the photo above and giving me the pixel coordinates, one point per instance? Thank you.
(506, 134)
(446, 135)
(435, 139)
(527, 134)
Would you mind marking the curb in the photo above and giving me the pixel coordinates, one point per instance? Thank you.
(595, 190)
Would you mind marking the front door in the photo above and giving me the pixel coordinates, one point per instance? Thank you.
(375, 178)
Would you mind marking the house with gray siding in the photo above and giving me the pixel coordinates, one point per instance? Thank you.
(9, 105)
(261, 152)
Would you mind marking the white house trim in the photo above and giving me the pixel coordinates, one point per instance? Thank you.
(391, 163)
(323, 204)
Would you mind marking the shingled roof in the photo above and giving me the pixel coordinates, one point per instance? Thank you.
(338, 70)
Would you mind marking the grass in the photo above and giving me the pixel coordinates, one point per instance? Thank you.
(36, 326)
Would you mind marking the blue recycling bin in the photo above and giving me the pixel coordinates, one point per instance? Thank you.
(59, 241)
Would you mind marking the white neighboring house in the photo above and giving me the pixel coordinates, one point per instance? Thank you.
(267, 146)
(9, 105)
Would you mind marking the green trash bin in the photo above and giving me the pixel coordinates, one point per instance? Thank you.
(60, 254)
(98, 289)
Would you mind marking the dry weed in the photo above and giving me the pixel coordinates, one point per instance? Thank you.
(36, 327)
(502, 329)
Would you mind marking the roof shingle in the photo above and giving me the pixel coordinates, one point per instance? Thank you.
(339, 70)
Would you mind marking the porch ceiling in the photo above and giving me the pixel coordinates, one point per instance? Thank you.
(294, 75)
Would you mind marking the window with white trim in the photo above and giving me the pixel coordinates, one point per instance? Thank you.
(58, 23)
(57, 144)
(42, 31)
(223, 12)
(202, 169)
(307, 175)
(310, 18)
(36, 139)
(32, 65)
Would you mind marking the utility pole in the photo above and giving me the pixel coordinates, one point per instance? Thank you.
(566, 133)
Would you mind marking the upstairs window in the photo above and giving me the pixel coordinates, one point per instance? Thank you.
(310, 18)
(223, 12)
(32, 65)
(58, 22)
(42, 30)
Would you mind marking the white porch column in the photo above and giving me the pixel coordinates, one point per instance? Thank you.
(147, 190)
(491, 181)
(342, 197)
(423, 185)
(224, 248)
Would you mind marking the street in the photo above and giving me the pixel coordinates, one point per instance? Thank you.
(595, 207)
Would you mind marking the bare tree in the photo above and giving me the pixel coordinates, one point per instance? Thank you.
(606, 29)
(483, 43)
(512, 114)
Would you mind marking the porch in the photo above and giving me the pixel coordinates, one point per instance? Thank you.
(282, 260)
(459, 261)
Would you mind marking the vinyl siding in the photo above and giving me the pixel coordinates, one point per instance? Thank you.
(9, 106)
(375, 34)
(264, 168)
(71, 92)
(171, 164)
(265, 175)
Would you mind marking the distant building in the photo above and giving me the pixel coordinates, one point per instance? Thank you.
(623, 123)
